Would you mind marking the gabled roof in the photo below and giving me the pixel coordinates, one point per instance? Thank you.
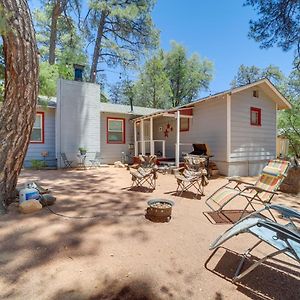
(126, 109)
(265, 84)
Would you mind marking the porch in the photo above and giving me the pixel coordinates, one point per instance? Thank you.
(165, 134)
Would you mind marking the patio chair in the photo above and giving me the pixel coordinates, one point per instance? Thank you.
(96, 161)
(145, 161)
(285, 238)
(195, 165)
(144, 176)
(261, 192)
(192, 175)
(67, 163)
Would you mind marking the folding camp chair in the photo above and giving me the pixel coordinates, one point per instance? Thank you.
(96, 161)
(285, 238)
(67, 163)
(145, 161)
(143, 176)
(195, 164)
(262, 191)
(188, 179)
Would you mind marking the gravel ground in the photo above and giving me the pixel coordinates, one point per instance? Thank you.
(118, 254)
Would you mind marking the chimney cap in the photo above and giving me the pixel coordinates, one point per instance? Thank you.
(78, 70)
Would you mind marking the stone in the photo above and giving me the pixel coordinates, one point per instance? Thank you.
(119, 164)
(30, 206)
(47, 199)
(291, 183)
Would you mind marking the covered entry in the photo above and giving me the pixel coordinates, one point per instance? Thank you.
(151, 133)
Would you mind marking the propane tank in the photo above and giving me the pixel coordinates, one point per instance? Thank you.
(28, 193)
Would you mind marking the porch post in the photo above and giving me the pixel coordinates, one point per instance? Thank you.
(151, 137)
(142, 137)
(228, 129)
(177, 138)
(164, 148)
(135, 140)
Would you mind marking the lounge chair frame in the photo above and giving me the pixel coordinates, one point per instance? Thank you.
(284, 233)
(241, 188)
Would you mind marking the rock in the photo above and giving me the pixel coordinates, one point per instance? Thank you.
(118, 164)
(291, 183)
(30, 206)
(47, 199)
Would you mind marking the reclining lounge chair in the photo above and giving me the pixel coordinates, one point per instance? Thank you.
(262, 191)
(285, 238)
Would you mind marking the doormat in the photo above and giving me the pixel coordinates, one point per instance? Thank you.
(225, 216)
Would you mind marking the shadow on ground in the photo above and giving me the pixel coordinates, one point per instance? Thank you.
(270, 280)
(114, 290)
(30, 241)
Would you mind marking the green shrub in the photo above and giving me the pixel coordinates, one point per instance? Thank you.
(38, 164)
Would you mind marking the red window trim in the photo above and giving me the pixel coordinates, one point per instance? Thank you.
(188, 128)
(258, 110)
(124, 130)
(43, 129)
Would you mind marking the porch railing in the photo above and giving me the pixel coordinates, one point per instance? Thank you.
(152, 146)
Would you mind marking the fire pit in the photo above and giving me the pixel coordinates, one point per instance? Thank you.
(159, 210)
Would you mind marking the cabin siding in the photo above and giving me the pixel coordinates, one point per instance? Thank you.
(77, 120)
(208, 126)
(35, 149)
(113, 152)
(251, 146)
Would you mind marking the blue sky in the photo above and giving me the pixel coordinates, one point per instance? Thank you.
(217, 30)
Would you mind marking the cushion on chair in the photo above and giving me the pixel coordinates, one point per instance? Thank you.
(271, 171)
(224, 195)
(282, 165)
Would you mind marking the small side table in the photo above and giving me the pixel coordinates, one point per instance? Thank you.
(81, 161)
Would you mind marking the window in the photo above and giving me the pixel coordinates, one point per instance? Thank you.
(115, 131)
(184, 124)
(37, 134)
(255, 94)
(255, 116)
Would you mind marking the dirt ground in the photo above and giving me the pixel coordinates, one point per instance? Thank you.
(121, 255)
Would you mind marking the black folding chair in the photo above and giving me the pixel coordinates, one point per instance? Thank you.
(96, 161)
(67, 163)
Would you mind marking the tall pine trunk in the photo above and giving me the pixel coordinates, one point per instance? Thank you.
(21, 87)
(58, 7)
(96, 54)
